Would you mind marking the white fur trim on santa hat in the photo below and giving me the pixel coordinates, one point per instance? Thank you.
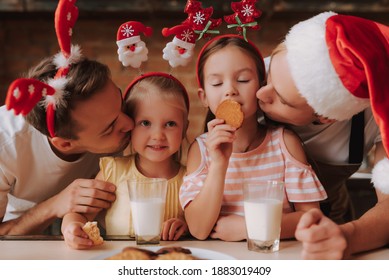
(313, 73)
(58, 98)
(62, 62)
(128, 41)
(183, 44)
(380, 176)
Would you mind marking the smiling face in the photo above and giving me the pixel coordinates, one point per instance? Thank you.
(230, 73)
(160, 124)
(280, 99)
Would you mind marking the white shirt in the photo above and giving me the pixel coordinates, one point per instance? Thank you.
(329, 143)
(30, 172)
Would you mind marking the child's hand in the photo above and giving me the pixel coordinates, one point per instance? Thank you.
(75, 237)
(172, 229)
(229, 228)
(219, 140)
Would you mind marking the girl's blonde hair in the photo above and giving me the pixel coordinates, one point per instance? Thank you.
(169, 89)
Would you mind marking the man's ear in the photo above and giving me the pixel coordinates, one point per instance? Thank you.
(203, 97)
(61, 144)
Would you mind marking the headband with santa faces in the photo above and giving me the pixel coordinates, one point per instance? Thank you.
(24, 94)
(199, 24)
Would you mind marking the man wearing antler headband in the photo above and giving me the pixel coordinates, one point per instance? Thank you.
(71, 108)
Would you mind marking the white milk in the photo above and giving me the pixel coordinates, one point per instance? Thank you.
(147, 216)
(263, 218)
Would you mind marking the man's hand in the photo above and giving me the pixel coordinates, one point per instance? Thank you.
(321, 237)
(84, 196)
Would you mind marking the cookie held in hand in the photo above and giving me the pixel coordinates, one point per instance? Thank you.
(231, 112)
(92, 230)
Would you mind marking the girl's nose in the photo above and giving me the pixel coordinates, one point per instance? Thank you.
(231, 91)
(157, 133)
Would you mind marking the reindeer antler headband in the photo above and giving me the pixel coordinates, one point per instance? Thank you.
(24, 94)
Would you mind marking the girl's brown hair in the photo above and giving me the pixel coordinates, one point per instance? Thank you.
(219, 43)
(85, 78)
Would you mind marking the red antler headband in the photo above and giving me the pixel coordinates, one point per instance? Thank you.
(24, 94)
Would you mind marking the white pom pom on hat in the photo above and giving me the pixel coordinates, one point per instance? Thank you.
(380, 176)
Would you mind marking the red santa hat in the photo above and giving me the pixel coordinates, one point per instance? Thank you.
(185, 37)
(340, 64)
(129, 33)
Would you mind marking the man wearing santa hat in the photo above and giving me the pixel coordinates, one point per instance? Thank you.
(180, 51)
(132, 50)
(328, 80)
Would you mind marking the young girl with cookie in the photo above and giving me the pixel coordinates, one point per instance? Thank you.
(159, 106)
(237, 148)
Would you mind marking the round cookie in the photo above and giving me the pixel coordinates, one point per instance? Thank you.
(133, 253)
(176, 256)
(231, 112)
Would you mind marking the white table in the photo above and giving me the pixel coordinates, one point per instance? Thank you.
(58, 250)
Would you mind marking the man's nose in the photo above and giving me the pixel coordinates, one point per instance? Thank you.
(127, 123)
(265, 94)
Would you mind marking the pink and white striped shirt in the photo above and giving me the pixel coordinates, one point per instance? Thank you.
(269, 161)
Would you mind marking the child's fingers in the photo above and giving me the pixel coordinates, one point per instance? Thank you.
(165, 230)
(179, 233)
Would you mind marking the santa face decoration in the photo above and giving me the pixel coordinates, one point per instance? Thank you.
(176, 55)
(133, 55)
(132, 50)
(179, 51)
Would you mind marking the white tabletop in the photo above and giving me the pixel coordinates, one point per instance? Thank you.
(58, 250)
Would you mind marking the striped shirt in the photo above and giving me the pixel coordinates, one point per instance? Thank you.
(269, 161)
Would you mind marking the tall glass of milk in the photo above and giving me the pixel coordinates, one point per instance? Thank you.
(147, 199)
(263, 212)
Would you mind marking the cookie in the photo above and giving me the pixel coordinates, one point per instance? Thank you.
(165, 253)
(231, 112)
(133, 253)
(176, 256)
(92, 230)
(166, 250)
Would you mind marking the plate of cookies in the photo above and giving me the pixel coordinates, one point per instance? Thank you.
(164, 253)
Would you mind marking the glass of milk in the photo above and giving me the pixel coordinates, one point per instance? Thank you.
(263, 212)
(147, 199)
